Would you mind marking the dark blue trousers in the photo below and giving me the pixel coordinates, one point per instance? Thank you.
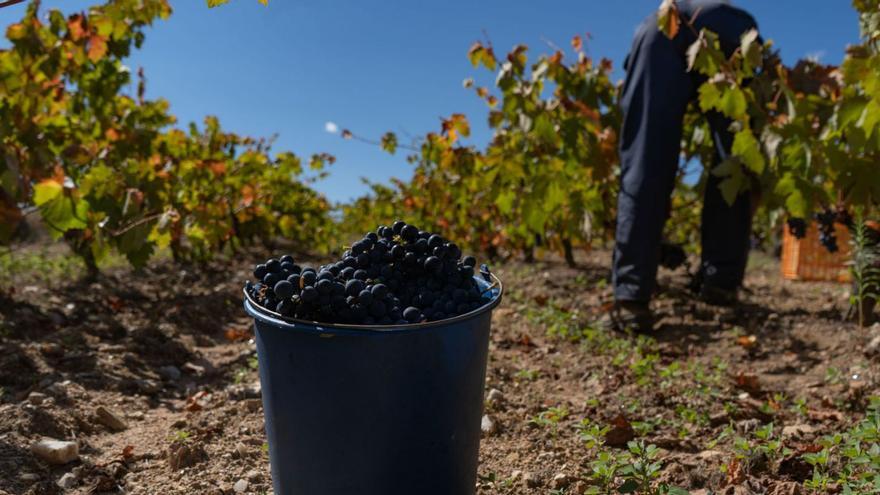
(656, 94)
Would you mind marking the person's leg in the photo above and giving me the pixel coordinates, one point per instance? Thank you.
(725, 228)
(655, 96)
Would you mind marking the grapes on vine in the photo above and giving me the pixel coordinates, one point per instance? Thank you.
(827, 237)
(393, 276)
(797, 227)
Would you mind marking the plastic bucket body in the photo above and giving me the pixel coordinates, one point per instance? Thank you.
(371, 410)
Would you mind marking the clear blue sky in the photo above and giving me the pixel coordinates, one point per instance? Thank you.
(378, 65)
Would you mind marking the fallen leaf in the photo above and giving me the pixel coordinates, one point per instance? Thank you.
(128, 452)
(621, 432)
(237, 334)
(748, 382)
(747, 341)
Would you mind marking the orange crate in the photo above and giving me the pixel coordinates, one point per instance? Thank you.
(807, 258)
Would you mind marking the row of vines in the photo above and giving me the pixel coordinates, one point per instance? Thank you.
(108, 169)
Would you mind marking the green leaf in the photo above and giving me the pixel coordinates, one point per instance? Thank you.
(504, 201)
(710, 95)
(60, 210)
(733, 102)
(748, 149)
(216, 3)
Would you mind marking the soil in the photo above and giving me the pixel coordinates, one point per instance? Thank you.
(168, 350)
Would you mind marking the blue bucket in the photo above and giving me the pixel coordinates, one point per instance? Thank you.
(374, 410)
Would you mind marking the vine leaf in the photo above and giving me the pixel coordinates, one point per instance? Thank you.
(668, 19)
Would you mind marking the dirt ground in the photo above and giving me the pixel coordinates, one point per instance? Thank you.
(166, 352)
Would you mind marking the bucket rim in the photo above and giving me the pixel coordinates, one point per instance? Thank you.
(264, 315)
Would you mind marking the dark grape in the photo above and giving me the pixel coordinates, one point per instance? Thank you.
(288, 267)
(433, 264)
(309, 294)
(286, 259)
(260, 271)
(412, 314)
(354, 287)
(409, 233)
(397, 227)
(273, 266)
(271, 279)
(379, 291)
(365, 297)
(469, 261)
(309, 277)
(283, 289)
(324, 286)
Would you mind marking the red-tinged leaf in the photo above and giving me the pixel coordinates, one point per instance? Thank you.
(668, 20)
(115, 303)
(237, 334)
(75, 27)
(748, 382)
(577, 43)
(127, 452)
(747, 341)
(346, 134)
(97, 47)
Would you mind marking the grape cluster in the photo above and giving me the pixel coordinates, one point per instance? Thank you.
(394, 276)
(827, 236)
(797, 227)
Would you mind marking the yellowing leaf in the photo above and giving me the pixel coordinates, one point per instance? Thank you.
(46, 191)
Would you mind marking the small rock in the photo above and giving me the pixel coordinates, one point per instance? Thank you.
(487, 425)
(240, 486)
(110, 419)
(37, 398)
(58, 389)
(494, 396)
(136, 415)
(68, 481)
(253, 405)
(147, 386)
(55, 451)
(194, 369)
(530, 480)
(797, 430)
(241, 451)
(29, 477)
(711, 456)
(516, 474)
(561, 480)
(873, 347)
(170, 373)
(254, 476)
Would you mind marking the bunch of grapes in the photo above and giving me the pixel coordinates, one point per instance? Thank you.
(827, 236)
(396, 275)
(797, 227)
